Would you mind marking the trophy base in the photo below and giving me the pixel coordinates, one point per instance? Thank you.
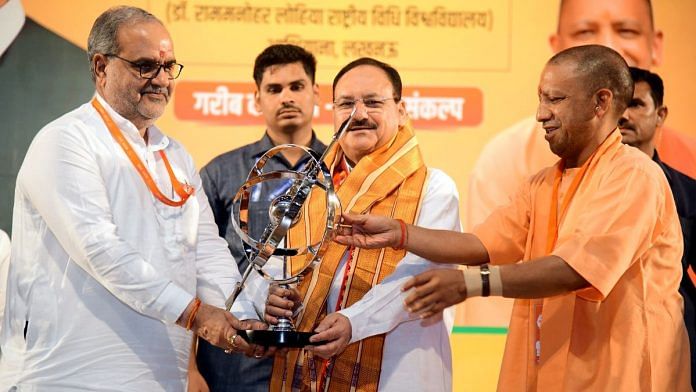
(274, 338)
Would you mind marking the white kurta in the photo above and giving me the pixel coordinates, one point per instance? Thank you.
(417, 355)
(100, 269)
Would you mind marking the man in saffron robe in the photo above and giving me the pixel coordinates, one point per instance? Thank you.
(597, 304)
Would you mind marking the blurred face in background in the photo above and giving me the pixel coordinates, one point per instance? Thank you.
(623, 25)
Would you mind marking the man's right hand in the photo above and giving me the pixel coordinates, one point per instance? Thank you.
(369, 231)
(281, 302)
(217, 326)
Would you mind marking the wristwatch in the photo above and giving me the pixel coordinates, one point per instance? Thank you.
(485, 281)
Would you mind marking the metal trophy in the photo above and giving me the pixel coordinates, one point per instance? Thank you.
(284, 213)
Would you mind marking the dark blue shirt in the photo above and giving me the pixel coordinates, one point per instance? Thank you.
(684, 192)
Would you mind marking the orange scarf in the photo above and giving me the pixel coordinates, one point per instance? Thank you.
(391, 182)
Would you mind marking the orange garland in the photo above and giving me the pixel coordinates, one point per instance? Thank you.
(183, 190)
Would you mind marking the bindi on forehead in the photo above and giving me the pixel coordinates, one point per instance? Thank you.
(165, 49)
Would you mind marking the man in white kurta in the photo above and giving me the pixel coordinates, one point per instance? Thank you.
(103, 273)
(373, 343)
(417, 354)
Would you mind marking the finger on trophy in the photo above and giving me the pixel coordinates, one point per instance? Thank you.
(280, 291)
(241, 345)
(277, 304)
(257, 351)
(277, 307)
(344, 229)
(332, 335)
(350, 219)
(326, 350)
(256, 325)
(232, 343)
(289, 293)
(235, 322)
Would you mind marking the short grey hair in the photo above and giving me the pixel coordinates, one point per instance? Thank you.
(103, 36)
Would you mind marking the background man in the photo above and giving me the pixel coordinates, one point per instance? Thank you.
(518, 152)
(286, 94)
(644, 116)
(112, 235)
(353, 298)
(598, 306)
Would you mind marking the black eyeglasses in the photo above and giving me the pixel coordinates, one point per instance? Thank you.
(150, 69)
(372, 104)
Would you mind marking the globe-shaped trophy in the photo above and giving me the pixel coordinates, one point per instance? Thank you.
(293, 189)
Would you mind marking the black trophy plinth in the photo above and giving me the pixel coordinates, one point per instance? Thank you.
(281, 339)
(282, 335)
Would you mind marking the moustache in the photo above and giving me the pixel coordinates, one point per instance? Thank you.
(162, 91)
(288, 107)
(625, 124)
(362, 123)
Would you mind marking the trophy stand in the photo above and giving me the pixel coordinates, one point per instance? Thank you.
(284, 212)
(282, 334)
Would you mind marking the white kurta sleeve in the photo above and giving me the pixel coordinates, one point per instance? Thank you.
(217, 273)
(61, 179)
(382, 308)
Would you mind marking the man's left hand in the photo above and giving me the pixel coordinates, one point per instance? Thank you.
(433, 291)
(335, 330)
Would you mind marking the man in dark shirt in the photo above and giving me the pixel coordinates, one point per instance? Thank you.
(286, 95)
(638, 126)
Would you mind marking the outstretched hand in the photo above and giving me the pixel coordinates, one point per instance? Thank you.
(433, 291)
(368, 231)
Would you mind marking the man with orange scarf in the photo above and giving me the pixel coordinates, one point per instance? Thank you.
(353, 298)
(590, 248)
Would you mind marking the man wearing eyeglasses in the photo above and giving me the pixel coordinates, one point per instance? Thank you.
(115, 251)
(353, 299)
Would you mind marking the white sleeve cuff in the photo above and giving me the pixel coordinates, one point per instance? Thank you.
(356, 334)
(172, 303)
(245, 310)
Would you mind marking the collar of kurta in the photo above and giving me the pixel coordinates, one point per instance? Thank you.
(390, 181)
(558, 207)
(156, 140)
